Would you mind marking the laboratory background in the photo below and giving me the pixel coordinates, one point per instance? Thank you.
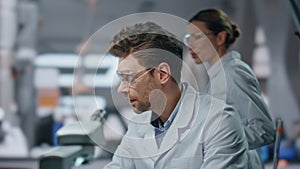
(46, 72)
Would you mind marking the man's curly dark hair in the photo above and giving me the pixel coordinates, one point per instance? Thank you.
(151, 44)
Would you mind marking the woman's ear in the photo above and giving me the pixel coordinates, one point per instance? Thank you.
(164, 72)
(221, 38)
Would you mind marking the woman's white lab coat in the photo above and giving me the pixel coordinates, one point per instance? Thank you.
(242, 91)
(205, 134)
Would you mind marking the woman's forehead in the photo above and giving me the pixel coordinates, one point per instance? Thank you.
(196, 26)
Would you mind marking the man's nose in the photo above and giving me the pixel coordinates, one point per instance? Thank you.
(123, 88)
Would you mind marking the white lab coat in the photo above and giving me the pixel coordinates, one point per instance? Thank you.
(242, 91)
(205, 134)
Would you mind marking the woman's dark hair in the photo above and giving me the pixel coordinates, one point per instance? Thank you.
(217, 21)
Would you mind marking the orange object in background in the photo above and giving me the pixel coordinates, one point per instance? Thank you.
(282, 164)
(48, 97)
(46, 84)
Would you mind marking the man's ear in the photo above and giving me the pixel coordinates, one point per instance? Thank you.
(221, 38)
(164, 72)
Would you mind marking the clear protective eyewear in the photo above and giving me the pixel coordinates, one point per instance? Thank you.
(131, 77)
(189, 38)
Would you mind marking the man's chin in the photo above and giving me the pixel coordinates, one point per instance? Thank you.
(198, 61)
(135, 110)
(138, 111)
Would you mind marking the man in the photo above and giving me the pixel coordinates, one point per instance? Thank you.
(175, 127)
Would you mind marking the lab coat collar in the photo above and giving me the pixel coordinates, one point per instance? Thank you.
(230, 56)
(217, 86)
(178, 129)
(214, 69)
(145, 142)
(182, 122)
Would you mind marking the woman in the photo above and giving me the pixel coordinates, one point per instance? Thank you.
(210, 34)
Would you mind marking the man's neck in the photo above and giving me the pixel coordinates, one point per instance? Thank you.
(173, 95)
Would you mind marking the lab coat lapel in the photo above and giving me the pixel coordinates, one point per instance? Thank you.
(182, 122)
(145, 143)
(150, 142)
